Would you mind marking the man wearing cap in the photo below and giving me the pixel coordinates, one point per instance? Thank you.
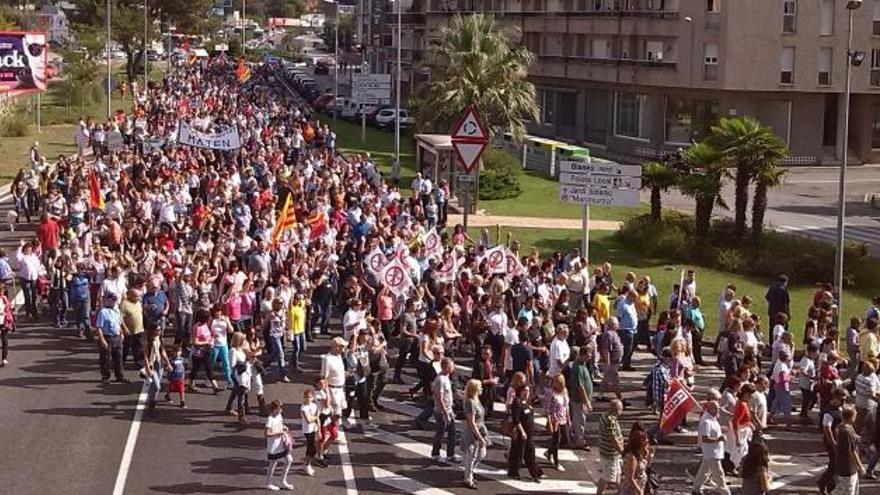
(109, 334)
(333, 371)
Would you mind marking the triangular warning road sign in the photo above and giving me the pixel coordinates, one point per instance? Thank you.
(468, 153)
(469, 127)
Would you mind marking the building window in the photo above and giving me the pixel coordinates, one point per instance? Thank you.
(786, 65)
(789, 15)
(876, 18)
(825, 65)
(654, 51)
(547, 103)
(713, 5)
(875, 67)
(710, 62)
(532, 40)
(689, 120)
(631, 115)
(567, 109)
(599, 48)
(826, 23)
(580, 45)
(597, 5)
(875, 128)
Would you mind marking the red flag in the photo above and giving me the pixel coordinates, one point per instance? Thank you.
(317, 224)
(286, 220)
(96, 199)
(679, 401)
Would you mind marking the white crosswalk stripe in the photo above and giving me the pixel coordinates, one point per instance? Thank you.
(405, 484)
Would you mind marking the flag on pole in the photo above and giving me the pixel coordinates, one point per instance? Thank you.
(679, 402)
(286, 220)
(242, 72)
(96, 199)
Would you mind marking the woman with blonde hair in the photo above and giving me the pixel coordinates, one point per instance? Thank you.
(557, 418)
(475, 436)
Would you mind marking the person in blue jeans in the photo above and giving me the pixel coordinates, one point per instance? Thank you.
(443, 413)
(275, 331)
(629, 320)
(155, 361)
(80, 300)
(221, 328)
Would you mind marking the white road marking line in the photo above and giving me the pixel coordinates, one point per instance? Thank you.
(404, 484)
(345, 461)
(793, 478)
(500, 475)
(125, 464)
(413, 411)
(828, 181)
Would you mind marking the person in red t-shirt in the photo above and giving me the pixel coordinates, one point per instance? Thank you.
(48, 232)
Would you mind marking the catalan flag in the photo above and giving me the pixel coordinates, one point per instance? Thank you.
(286, 220)
(242, 72)
(318, 224)
(96, 199)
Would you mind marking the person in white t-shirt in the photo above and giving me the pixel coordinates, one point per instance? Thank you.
(333, 370)
(277, 447)
(559, 351)
(712, 444)
(308, 413)
(354, 320)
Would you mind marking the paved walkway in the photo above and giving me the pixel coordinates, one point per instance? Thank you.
(532, 222)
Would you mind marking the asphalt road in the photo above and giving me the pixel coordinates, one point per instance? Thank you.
(807, 204)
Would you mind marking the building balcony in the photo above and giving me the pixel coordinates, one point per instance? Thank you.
(653, 64)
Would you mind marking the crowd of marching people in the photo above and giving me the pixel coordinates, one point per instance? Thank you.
(215, 269)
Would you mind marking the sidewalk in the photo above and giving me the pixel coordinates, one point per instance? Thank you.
(531, 222)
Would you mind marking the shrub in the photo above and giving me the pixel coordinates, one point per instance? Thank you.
(805, 260)
(499, 184)
(14, 126)
(495, 159)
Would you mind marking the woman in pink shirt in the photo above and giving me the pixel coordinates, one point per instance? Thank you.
(203, 341)
(248, 305)
(385, 310)
(234, 305)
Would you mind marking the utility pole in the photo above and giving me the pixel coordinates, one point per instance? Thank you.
(109, 78)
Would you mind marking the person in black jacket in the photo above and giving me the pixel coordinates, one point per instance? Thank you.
(484, 371)
(522, 446)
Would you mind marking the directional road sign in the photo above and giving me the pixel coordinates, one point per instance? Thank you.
(596, 167)
(371, 89)
(598, 195)
(617, 182)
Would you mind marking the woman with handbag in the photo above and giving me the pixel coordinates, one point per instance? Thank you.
(7, 324)
(279, 443)
(636, 461)
(475, 436)
(756, 468)
(203, 340)
(241, 376)
(522, 446)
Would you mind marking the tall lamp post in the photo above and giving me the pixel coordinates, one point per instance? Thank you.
(146, 71)
(109, 85)
(854, 58)
(336, 63)
(397, 83)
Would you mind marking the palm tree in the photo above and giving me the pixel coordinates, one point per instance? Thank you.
(658, 177)
(478, 64)
(703, 183)
(749, 147)
(767, 178)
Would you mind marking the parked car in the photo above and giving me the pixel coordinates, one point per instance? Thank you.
(322, 68)
(385, 118)
(321, 102)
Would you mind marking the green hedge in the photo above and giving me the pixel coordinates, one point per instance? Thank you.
(804, 260)
(499, 178)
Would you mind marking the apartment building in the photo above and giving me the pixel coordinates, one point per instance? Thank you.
(635, 79)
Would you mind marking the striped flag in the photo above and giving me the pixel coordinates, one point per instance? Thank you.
(242, 72)
(286, 220)
(96, 199)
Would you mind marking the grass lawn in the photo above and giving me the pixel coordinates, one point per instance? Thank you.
(539, 196)
(605, 246)
(59, 116)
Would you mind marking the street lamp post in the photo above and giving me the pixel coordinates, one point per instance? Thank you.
(853, 58)
(109, 85)
(690, 20)
(336, 64)
(243, 26)
(397, 83)
(146, 71)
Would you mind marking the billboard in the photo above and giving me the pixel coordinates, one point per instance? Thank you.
(23, 60)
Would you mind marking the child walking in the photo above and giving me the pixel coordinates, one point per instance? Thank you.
(177, 376)
(310, 425)
(277, 447)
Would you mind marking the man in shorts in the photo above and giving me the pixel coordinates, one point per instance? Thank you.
(333, 371)
(610, 447)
